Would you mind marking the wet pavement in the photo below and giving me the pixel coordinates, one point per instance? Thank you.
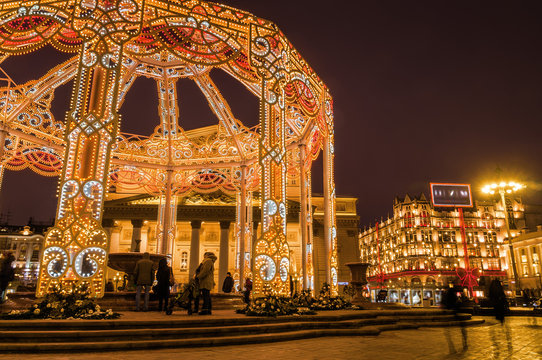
(519, 338)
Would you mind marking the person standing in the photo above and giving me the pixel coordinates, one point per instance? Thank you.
(144, 277)
(193, 292)
(206, 280)
(498, 299)
(7, 274)
(163, 276)
(227, 286)
(248, 290)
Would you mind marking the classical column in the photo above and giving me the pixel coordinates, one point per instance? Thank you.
(223, 257)
(303, 215)
(136, 235)
(194, 247)
(114, 243)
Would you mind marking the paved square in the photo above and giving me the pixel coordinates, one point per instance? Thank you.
(519, 338)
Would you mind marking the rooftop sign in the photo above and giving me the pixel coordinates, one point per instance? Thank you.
(452, 195)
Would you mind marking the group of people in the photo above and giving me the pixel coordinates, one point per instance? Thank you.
(454, 299)
(200, 284)
(7, 274)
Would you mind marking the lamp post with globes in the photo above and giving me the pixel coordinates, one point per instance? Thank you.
(507, 188)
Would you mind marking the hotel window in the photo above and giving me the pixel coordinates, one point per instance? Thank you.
(35, 253)
(411, 237)
(409, 219)
(492, 250)
(22, 253)
(475, 263)
(424, 218)
(446, 236)
(536, 261)
(426, 235)
(493, 264)
(184, 261)
(449, 250)
(490, 236)
(472, 237)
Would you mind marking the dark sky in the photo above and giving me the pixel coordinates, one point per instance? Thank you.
(424, 91)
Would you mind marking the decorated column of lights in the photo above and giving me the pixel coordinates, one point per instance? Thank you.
(310, 252)
(243, 227)
(272, 253)
(167, 214)
(75, 248)
(304, 216)
(330, 229)
(117, 42)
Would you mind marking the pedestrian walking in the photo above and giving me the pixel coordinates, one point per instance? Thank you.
(164, 277)
(206, 281)
(498, 299)
(144, 277)
(227, 286)
(7, 274)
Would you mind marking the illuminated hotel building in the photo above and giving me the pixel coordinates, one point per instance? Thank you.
(415, 253)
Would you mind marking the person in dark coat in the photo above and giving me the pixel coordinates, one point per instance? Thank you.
(163, 276)
(451, 301)
(193, 293)
(227, 286)
(498, 299)
(248, 290)
(144, 277)
(7, 274)
(206, 281)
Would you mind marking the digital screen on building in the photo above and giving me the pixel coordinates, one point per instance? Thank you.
(456, 195)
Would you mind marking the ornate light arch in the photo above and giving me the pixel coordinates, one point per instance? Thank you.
(166, 40)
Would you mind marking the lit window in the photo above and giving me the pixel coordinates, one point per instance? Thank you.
(184, 261)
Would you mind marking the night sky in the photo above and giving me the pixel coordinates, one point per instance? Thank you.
(424, 91)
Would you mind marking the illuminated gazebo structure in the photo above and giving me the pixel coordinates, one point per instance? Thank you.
(116, 42)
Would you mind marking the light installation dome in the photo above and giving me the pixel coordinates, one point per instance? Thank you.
(114, 43)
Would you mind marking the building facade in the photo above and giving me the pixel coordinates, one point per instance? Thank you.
(528, 249)
(26, 245)
(209, 222)
(419, 251)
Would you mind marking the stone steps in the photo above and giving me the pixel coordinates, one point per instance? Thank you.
(168, 333)
(34, 336)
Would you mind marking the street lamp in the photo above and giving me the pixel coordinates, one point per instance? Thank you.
(506, 188)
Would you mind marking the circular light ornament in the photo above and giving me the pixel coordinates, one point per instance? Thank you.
(88, 260)
(334, 276)
(70, 189)
(266, 266)
(92, 189)
(271, 207)
(282, 209)
(56, 260)
(283, 268)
